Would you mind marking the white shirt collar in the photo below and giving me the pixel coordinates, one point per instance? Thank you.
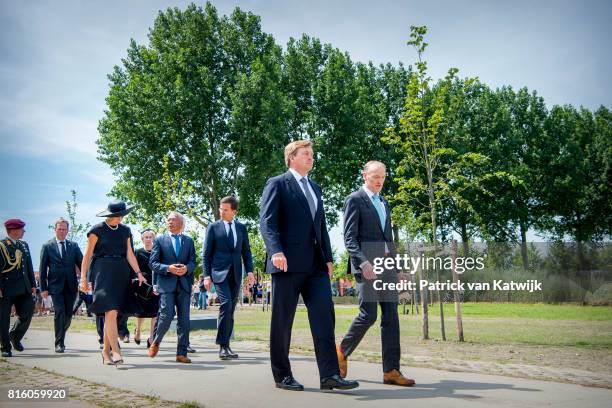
(57, 241)
(297, 175)
(369, 192)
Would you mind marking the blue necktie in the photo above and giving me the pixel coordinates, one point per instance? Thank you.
(177, 246)
(380, 210)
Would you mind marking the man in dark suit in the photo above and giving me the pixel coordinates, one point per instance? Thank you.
(367, 235)
(17, 286)
(225, 249)
(173, 260)
(58, 259)
(292, 224)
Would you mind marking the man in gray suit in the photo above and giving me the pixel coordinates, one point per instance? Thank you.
(59, 260)
(368, 234)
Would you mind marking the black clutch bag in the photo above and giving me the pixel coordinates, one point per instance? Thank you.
(143, 291)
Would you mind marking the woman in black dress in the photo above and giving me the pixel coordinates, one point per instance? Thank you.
(149, 306)
(109, 243)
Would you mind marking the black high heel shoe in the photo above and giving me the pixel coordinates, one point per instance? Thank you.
(118, 361)
(137, 341)
(148, 343)
(107, 362)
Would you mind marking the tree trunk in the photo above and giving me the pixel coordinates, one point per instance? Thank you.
(424, 300)
(457, 296)
(396, 234)
(524, 255)
(465, 239)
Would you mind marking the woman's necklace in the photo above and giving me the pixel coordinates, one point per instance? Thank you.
(113, 228)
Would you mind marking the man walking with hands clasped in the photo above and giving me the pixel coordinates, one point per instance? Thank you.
(173, 260)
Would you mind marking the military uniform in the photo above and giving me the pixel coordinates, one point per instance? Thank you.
(16, 284)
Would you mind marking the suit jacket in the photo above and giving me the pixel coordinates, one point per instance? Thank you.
(55, 272)
(220, 255)
(287, 226)
(364, 237)
(20, 279)
(163, 255)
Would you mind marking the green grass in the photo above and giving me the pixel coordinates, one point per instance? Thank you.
(483, 323)
(488, 324)
(538, 311)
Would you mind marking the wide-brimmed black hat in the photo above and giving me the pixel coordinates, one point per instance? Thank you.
(116, 208)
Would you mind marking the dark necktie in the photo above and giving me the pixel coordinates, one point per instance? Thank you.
(63, 244)
(230, 234)
(311, 203)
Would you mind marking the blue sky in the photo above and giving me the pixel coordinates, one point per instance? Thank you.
(55, 56)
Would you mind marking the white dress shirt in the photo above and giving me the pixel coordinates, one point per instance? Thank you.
(173, 240)
(59, 245)
(298, 177)
(227, 227)
(370, 194)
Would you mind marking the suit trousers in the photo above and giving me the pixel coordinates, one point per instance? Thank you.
(181, 300)
(63, 303)
(315, 289)
(24, 309)
(122, 326)
(389, 326)
(227, 293)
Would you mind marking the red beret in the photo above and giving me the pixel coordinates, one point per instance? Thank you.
(14, 223)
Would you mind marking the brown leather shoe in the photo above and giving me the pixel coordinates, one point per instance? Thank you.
(153, 350)
(395, 377)
(342, 362)
(183, 359)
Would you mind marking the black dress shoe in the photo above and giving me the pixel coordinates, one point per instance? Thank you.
(7, 354)
(289, 383)
(16, 344)
(231, 353)
(190, 349)
(335, 381)
(59, 349)
(224, 353)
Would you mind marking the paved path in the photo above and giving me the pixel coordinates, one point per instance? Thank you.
(247, 382)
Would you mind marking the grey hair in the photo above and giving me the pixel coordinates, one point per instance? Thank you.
(373, 163)
(178, 215)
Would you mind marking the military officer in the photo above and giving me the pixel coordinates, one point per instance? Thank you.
(17, 286)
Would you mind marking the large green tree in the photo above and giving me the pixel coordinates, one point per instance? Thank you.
(204, 97)
(343, 107)
(574, 188)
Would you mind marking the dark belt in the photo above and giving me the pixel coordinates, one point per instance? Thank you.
(111, 256)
